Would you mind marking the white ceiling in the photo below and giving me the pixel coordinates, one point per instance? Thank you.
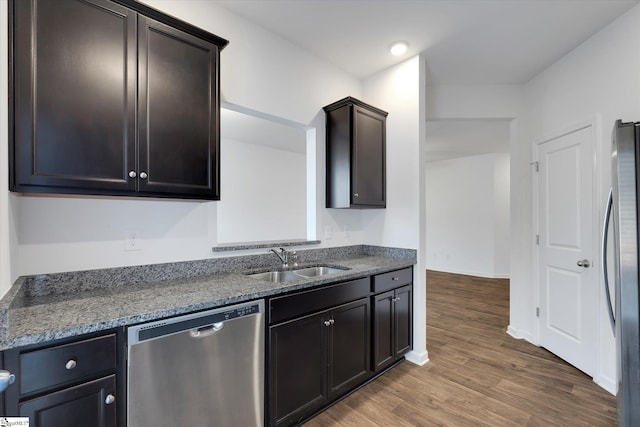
(464, 41)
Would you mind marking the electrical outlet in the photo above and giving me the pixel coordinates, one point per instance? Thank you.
(132, 240)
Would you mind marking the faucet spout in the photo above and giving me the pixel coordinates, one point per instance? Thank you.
(283, 255)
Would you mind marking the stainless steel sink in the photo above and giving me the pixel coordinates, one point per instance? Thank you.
(317, 271)
(276, 276)
(291, 275)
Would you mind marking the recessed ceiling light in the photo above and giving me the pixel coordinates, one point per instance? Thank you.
(398, 48)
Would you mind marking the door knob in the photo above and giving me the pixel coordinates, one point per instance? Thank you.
(584, 263)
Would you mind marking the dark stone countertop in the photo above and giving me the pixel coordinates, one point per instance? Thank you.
(42, 308)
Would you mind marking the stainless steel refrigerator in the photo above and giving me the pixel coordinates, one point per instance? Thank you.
(622, 209)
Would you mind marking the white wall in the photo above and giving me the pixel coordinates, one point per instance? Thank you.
(399, 90)
(396, 91)
(597, 81)
(502, 218)
(8, 238)
(468, 215)
(473, 102)
(260, 71)
(264, 193)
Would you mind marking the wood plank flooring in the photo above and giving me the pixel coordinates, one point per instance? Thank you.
(477, 374)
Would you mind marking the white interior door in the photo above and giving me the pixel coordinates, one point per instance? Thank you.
(567, 277)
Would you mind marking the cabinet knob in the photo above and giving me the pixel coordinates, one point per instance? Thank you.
(332, 321)
(132, 174)
(355, 194)
(143, 175)
(395, 278)
(70, 364)
(110, 399)
(327, 322)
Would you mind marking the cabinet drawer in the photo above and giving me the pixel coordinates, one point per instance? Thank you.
(64, 364)
(299, 304)
(393, 279)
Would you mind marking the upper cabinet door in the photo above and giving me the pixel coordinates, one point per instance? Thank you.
(178, 112)
(368, 162)
(74, 98)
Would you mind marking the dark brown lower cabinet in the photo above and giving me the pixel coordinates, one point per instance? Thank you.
(76, 381)
(83, 405)
(392, 326)
(297, 369)
(317, 358)
(349, 340)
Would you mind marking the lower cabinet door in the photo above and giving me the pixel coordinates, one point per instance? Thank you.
(89, 404)
(384, 351)
(404, 320)
(349, 346)
(297, 369)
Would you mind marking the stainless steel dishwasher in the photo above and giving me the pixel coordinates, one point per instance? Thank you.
(202, 369)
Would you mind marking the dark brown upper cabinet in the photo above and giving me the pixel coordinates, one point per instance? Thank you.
(356, 146)
(112, 98)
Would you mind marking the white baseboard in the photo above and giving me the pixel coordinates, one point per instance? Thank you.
(471, 273)
(606, 383)
(520, 334)
(416, 358)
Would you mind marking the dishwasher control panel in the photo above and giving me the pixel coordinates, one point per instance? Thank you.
(161, 328)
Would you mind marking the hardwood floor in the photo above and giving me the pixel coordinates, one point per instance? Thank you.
(477, 374)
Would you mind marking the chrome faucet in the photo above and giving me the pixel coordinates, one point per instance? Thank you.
(285, 256)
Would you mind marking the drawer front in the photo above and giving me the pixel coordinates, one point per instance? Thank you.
(307, 302)
(393, 279)
(65, 364)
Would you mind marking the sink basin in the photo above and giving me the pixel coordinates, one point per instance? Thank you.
(317, 271)
(276, 276)
(291, 275)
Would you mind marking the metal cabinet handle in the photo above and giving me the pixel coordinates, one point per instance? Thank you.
(332, 321)
(327, 322)
(605, 264)
(132, 174)
(110, 399)
(70, 364)
(395, 278)
(355, 194)
(584, 263)
(143, 175)
(6, 379)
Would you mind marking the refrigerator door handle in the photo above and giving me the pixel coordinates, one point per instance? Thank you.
(605, 272)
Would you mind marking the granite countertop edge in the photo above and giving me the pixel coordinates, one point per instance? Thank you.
(52, 317)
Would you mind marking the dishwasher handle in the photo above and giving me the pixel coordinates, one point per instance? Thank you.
(205, 331)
